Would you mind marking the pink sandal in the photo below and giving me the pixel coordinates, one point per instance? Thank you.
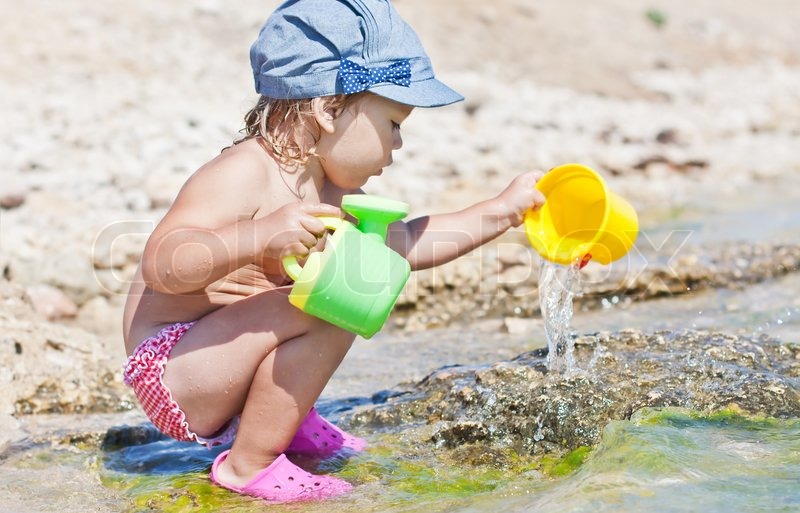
(319, 438)
(284, 481)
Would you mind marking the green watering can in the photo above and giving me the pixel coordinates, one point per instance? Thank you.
(356, 280)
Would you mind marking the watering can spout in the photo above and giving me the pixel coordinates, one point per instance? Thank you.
(374, 213)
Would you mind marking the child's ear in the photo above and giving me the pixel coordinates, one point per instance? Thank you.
(323, 114)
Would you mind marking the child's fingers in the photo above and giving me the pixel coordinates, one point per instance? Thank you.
(322, 209)
(315, 226)
(295, 249)
(538, 200)
(307, 239)
(312, 223)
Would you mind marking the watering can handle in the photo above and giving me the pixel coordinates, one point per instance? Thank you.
(290, 264)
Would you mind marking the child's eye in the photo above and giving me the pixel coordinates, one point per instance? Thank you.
(395, 126)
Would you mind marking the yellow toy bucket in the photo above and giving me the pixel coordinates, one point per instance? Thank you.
(581, 220)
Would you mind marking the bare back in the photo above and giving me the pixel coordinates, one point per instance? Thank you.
(243, 182)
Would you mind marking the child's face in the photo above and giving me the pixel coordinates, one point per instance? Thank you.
(364, 135)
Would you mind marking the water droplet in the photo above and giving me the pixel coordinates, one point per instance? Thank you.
(539, 436)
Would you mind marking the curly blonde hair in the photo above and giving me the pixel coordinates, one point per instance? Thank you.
(285, 125)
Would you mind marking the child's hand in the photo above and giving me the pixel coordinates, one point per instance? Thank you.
(295, 228)
(522, 195)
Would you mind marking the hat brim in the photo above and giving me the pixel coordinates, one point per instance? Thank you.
(424, 93)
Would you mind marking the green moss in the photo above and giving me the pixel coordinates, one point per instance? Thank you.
(179, 493)
(732, 415)
(44, 457)
(566, 465)
(419, 476)
(402, 478)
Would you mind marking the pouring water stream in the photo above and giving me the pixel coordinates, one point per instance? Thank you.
(558, 285)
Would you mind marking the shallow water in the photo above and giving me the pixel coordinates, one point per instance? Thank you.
(771, 307)
(671, 461)
(675, 461)
(386, 481)
(666, 461)
(660, 462)
(765, 212)
(663, 463)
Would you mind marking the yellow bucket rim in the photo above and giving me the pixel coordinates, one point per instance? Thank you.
(545, 186)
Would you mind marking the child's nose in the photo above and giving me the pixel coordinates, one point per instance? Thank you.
(397, 141)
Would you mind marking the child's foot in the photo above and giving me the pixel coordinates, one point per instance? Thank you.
(319, 438)
(283, 481)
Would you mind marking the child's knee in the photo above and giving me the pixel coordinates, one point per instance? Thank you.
(330, 331)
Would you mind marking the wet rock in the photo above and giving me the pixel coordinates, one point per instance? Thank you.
(667, 136)
(118, 437)
(518, 404)
(11, 199)
(50, 302)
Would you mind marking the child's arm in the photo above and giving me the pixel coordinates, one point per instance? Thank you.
(429, 241)
(214, 227)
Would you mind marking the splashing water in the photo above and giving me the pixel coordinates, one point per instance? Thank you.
(557, 286)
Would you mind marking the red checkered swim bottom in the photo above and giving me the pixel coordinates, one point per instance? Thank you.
(144, 372)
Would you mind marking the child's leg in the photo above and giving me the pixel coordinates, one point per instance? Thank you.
(260, 357)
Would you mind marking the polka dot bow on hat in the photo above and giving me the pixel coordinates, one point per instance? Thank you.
(356, 78)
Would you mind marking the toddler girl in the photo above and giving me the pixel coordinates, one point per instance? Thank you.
(217, 352)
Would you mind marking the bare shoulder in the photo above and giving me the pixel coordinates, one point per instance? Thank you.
(229, 187)
(244, 167)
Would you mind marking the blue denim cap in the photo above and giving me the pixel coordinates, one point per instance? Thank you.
(311, 48)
